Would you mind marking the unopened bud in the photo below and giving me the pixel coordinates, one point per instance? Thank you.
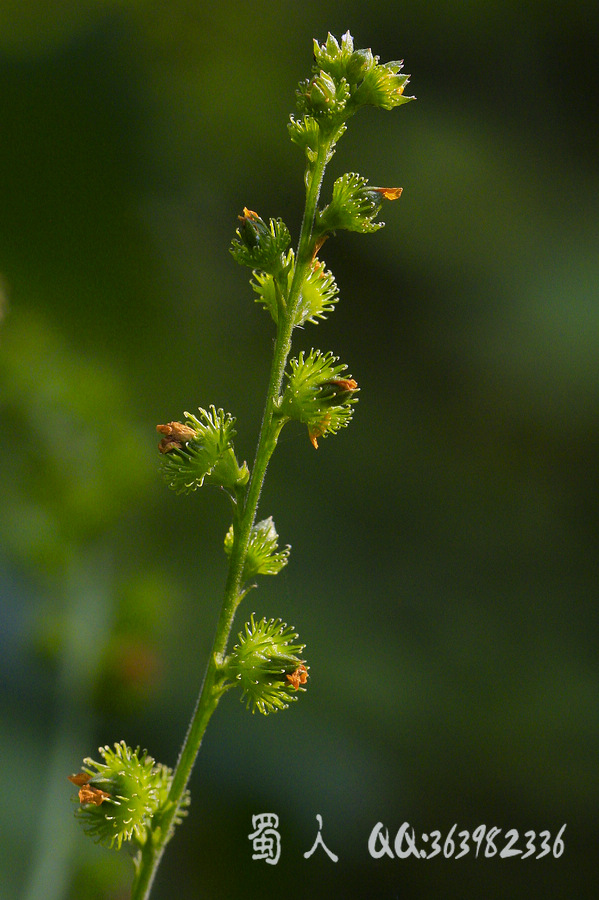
(252, 228)
(360, 62)
(322, 92)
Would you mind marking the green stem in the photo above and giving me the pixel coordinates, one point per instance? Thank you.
(213, 685)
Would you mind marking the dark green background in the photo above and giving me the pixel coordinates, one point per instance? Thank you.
(443, 572)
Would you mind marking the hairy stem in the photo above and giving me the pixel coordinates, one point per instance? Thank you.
(213, 685)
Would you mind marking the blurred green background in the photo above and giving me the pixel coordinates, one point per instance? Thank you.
(443, 572)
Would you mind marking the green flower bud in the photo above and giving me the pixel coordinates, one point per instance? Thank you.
(365, 80)
(306, 133)
(360, 62)
(383, 86)
(263, 556)
(322, 93)
(252, 229)
(323, 97)
(354, 206)
(332, 57)
(261, 246)
(318, 294)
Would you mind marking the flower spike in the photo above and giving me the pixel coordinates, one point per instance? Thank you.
(127, 797)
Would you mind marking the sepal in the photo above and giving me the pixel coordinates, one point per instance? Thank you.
(263, 556)
(120, 796)
(318, 394)
(201, 451)
(266, 665)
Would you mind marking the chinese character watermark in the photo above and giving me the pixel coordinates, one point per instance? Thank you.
(266, 838)
(319, 841)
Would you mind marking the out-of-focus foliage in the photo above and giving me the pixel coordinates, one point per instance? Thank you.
(443, 571)
(74, 462)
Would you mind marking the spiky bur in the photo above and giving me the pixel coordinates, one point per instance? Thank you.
(318, 394)
(354, 206)
(201, 450)
(317, 299)
(266, 664)
(120, 796)
(263, 556)
(265, 249)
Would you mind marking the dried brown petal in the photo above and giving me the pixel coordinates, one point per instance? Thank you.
(175, 435)
(79, 779)
(317, 430)
(388, 193)
(345, 384)
(93, 795)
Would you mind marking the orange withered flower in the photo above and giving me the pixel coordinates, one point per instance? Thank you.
(87, 793)
(175, 435)
(388, 193)
(300, 676)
